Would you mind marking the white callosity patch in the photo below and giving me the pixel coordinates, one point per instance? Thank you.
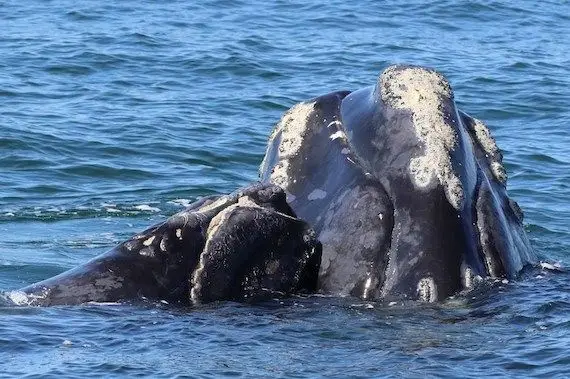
(149, 241)
(246, 201)
(485, 237)
(293, 128)
(218, 203)
(147, 252)
(422, 92)
(317, 194)
(499, 171)
(369, 286)
(334, 123)
(130, 245)
(487, 142)
(469, 277)
(338, 134)
(279, 174)
(427, 290)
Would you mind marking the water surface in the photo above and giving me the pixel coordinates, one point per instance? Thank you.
(114, 116)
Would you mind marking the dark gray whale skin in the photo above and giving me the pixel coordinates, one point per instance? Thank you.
(386, 193)
(242, 246)
(406, 193)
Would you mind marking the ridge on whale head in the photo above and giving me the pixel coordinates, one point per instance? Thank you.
(406, 192)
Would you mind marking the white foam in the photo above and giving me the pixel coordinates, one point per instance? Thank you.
(18, 297)
(22, 298)
(183, 202)
(147, 208)
(551, 266)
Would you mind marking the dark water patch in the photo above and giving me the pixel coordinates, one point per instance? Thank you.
(105, 171)
(68, 70)
(84, 15)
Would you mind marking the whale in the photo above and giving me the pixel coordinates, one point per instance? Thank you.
(390, 192)
(406, 192)
(245, 246)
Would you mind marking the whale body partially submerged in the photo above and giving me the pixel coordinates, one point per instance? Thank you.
(242, 246)
(406, 192)
(389, 192)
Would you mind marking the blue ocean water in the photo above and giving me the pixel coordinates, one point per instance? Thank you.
(114, 115)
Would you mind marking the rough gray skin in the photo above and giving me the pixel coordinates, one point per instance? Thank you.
(235, 247)
(406, 193)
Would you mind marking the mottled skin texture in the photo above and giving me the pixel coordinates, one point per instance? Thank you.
(383, 235)
(406, 193)
(257, 248)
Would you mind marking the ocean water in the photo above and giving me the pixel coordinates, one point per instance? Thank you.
(114, 115)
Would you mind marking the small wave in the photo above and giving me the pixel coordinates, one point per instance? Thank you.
(69, 69)
(543, 158)
(77, 15)
(182, 202)
(147, 208)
